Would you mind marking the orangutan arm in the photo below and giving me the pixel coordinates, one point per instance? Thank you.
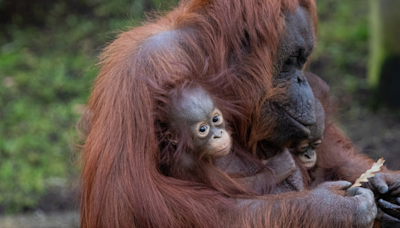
(326, 206)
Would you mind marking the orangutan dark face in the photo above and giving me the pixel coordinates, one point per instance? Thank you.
(295, 110)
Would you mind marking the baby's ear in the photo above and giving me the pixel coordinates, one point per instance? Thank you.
(171, 138)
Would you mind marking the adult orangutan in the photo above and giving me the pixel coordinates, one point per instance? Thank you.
(254, 51)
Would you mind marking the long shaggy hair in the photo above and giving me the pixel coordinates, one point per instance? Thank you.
(123, 184)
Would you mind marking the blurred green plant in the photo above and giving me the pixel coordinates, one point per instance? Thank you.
(47, 65)
(342, 50)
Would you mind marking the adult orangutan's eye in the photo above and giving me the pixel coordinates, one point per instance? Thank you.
(301, 61)
(289, 64)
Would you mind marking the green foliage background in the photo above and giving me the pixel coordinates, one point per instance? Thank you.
(48, 51)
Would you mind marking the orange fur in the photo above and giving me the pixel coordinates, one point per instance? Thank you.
(122, 185)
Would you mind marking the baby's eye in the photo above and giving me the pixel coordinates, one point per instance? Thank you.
(303, 147)
(203, 128)
(216, 119)
(317, 143)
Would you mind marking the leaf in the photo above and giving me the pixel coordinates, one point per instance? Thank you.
(369, 173)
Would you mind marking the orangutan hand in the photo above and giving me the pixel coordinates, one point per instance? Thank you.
(386, 187)
(357, 203)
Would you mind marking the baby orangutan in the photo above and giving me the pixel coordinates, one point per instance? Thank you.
(196, 127)
(305, 149)
(196, 115)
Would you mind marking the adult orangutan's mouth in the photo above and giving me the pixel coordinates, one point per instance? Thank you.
(295, 122)
(299, 125)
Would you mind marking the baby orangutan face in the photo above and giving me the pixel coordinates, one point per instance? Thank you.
(196, 111)
(306, 152)
(305, 149)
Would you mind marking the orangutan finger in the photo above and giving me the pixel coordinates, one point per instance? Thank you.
(389, 208)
